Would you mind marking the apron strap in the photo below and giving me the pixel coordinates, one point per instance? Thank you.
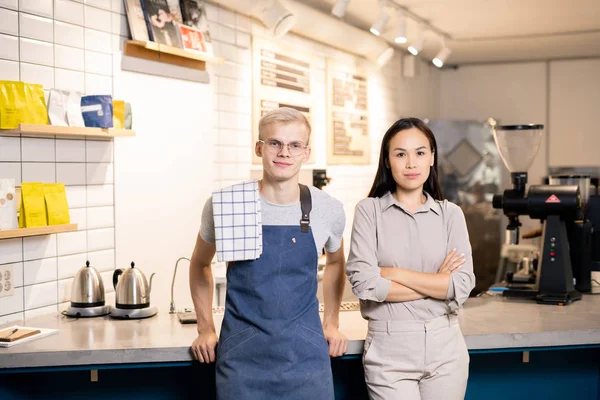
(306, 206)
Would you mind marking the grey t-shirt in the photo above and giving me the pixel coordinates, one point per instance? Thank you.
(327, 219)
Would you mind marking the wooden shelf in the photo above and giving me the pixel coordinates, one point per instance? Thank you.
(42, 230)
(69, 131)
(167, 54)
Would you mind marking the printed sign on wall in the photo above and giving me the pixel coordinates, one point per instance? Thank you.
(348, 117)
(281, 78)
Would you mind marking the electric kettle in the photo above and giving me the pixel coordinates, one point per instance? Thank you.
(132, 294)
(87, 294)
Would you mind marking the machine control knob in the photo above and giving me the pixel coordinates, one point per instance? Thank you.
(498, 201)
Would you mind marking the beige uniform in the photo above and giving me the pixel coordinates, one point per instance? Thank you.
(414, 349)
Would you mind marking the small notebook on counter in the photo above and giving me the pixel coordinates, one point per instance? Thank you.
(16, 334)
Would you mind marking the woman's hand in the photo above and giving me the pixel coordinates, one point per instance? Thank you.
(453, 262)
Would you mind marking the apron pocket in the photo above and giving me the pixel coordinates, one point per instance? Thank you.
(236, 340)
(313, 337)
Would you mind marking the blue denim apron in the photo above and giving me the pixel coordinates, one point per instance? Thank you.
(271, 344)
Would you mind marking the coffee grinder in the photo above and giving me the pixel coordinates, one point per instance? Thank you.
(554, 205)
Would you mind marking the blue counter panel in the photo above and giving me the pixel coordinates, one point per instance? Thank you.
(565, 374)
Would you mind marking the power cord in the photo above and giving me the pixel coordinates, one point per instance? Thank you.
(69, 317)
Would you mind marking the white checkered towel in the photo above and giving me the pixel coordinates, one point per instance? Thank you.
(238, 222)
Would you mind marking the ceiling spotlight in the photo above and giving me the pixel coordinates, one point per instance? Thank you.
(417, 46)
(278, 19)
(339, 8)
(385, 57)
(400, 27)
(441, 57)
(383, 18)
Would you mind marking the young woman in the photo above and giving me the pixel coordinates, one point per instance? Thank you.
(410, 265)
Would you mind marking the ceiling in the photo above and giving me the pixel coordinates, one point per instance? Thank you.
(481, 31)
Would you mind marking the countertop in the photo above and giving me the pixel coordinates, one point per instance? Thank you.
(487, 323)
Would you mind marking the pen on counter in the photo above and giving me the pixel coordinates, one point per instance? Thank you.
(10, 334)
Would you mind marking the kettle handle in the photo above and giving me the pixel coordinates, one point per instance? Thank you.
(116, 275)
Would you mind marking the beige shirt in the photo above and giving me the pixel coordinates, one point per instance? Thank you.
(386, 234)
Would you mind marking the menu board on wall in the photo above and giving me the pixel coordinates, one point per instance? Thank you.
(348, 139)
(281, 78)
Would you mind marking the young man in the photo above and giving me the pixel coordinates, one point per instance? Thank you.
(272, 344)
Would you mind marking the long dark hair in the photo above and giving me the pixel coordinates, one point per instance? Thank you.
(384, 181)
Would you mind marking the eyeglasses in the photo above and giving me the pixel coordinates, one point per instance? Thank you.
(274, 146)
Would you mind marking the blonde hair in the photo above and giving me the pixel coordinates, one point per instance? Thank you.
(283, 115)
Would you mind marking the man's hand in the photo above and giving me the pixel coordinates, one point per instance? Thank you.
(204, 346)
(338, 342)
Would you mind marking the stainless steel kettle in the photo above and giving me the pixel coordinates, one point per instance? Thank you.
(131, 288)
(87, 289)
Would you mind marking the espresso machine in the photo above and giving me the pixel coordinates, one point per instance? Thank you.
(554, 205)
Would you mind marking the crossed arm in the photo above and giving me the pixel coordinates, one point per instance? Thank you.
(392, 284)
(410, 285)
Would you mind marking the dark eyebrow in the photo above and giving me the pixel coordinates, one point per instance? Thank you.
(418, 148)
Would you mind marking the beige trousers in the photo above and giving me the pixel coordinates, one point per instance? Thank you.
(416, 360)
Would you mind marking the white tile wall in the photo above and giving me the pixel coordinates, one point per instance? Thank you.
(98, 63)
(9, 70)
(99, 151)
(71, 243)
(100, 195)
(10, 21)
(101, 239)
(68, 34)
(11, 170)
(102, 260)
(38, 7)
(100, 217)
(99, 173)
(98, 41)
(117, 6)
(64, 290)
(10, 149)
(98, 84)
(12, 4)
(36, 312)
(96, 18)
(17, 274)
(37, 52)
(69, 57)
(40, 295)
(39, 172)
(37, 247)
(68, 11)
(76, 196)
(35, 27)
(66, 44)
(78, 216)
(12, 304)
(120, 25)
(11, 250)
(243, 23)
(71, 174)
(38, 150)
(70, 150)
(39, 271)
(69, 80)
(69, 265)
(108, 287)
(9, 47)
(37, 74)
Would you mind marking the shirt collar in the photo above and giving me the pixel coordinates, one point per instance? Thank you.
(387, 200)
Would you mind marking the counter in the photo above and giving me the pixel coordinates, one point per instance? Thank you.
(490, 325)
